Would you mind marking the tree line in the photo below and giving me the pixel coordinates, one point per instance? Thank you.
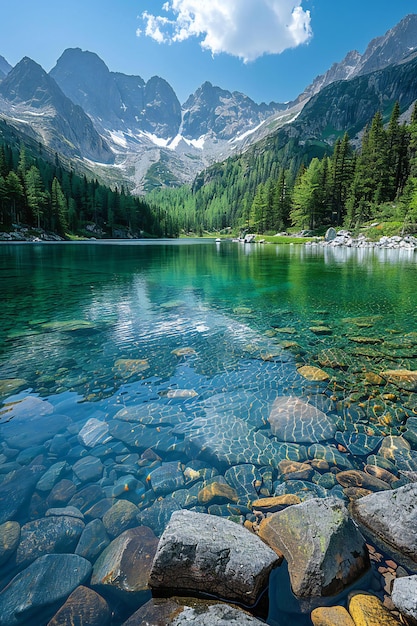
(309, 186)
(44, 194)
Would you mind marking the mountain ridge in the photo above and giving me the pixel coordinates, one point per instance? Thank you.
(154, 141)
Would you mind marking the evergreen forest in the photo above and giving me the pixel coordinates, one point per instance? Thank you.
(45, 194)
(306, 185)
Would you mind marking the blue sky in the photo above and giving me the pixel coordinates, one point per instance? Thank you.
(267, 49)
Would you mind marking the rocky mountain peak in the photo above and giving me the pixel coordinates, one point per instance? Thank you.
(28, 82)
(397, 44)
(5, 67)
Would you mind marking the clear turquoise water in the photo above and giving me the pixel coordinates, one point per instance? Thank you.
(72, 315)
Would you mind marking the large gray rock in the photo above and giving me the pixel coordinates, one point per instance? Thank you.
(199, 552)
(175, 611)
(33, 596)
(392, 517)
(324, 549)
(404, 596)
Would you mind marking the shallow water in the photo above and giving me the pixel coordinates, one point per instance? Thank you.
(203, 337)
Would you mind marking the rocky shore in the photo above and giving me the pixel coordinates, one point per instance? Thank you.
(345, 238)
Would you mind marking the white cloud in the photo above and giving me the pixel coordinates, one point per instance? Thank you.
(246, 29)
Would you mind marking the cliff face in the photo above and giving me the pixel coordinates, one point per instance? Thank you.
(31, 95)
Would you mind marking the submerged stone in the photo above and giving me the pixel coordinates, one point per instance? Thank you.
(94, 432)
(122, 570)
(293, 420)
(9, 540)
(313, 373)
(47, 535)
(358, 444)
(120, 517)
(16, 490)
(33, 596)
(402, 378)
(83, 607)
(166, 478)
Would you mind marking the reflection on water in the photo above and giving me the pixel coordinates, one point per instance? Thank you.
(181, 348)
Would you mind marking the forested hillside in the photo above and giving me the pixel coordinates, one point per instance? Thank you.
(45, 193)
(288, 183)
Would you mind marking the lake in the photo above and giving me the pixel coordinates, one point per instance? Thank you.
(173, 354)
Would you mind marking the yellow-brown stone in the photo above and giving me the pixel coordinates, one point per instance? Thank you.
(381, 473)
(331, 616)
(310, 372)
(179, 352)
(403, 378)
(217, 493)
(275, 503)
(368, 610)
(130, 367)
(357, 478)
(374, 379)
(269, 535)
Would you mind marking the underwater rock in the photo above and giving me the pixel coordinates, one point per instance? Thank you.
(120, 517)
(205, 553)
(88, 469)
(47, 535)
(357, 478)
(94, 432)
(17, 488)
(331, 455)
(51, 476)
(9, 540)
(392, 517)
(358, 444)
(126, 368)
(94, 539)
(122, 570)
(167, 478)
(34, 595)
(158, 514)
(84, 607)
(312, 373)
(275, 503)
(10, 385)
(217, 493)
(402, 378)
(324, 549)
(293, 420)
(226, 440)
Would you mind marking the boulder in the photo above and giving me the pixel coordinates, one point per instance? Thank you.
(84, 607)
(392, 517)
(122, 569)
(173, 612)
(366, 608)
(331, 616)
(33, 596)
(404, 597)
(324, 550)
(209, 554)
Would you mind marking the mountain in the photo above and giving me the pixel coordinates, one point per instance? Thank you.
(83, 109)
(396, 45)
(30, 97)
(5, 68)
(222, 113)
(116, 101)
